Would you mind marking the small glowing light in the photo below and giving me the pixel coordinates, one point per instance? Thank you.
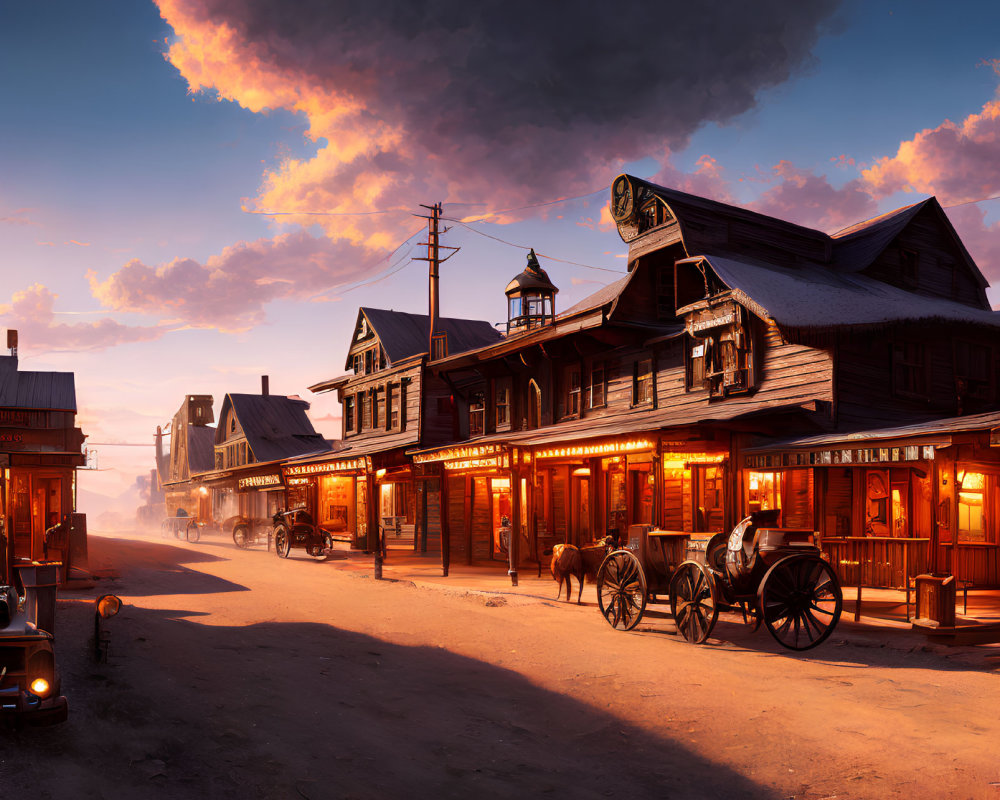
(202, 491)
(40, 686)
(379, 474)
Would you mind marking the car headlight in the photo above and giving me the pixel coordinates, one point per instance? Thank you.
(41, 672)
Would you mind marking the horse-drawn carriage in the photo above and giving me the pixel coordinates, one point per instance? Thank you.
(772, 575)
(181, 526)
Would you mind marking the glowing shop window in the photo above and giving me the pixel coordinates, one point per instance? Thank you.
(970, 507)
(763, 491)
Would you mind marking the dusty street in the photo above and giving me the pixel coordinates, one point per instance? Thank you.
(236, 674)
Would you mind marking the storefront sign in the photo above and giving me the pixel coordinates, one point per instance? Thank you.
(821, 458)
(709, 318)
(348, 465)
(300, 481)
(491, 462)
(15, 439)
(452, 453)
(259, 481)
(606, 449)
(19, 418)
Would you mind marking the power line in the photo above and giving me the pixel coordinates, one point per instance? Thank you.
(970, 202)
(526, 247)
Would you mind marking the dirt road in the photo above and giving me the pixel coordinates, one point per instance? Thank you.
(235, 674)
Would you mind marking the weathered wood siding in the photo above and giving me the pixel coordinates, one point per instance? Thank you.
(940, 267)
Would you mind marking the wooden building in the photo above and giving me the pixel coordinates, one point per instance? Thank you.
(192, 439)
(390, 403)
(256, 434)
(40, 450)
(665, 398)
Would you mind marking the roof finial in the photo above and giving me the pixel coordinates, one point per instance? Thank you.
(533, 264)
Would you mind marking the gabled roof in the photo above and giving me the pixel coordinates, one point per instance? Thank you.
(53, 391)
(403, 335)
(709, 226)
(275, 427)
(818, 297)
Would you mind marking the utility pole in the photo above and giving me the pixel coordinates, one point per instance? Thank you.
(434, 260)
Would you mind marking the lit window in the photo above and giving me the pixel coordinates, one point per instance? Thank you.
(597, 385)
(503, 403)
(971, 494)
(642, 382)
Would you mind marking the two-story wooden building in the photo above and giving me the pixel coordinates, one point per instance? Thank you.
(390, 404)
(191, 451)
(40, 450)
(256, 435)
(727, 372)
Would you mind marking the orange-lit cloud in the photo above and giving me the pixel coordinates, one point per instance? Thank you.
(957, 162)
(31, 312)
(506, 102)
(229, 291)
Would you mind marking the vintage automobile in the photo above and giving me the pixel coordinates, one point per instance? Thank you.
(29, 681)
(296, 528)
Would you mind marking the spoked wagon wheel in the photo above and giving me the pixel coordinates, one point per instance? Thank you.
(241, 537)
(193, 532)
(693, 602)
(281, 544)
(751, 614)
(800, 600)
(621, 590)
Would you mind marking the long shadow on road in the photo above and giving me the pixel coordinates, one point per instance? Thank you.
(292, 710)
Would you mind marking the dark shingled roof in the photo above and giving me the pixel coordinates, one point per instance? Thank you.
(276, 427)
(201, 450)
(55, 391)
(403, 335)
(818, 297)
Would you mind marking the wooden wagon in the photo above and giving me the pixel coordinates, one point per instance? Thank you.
(772, 575)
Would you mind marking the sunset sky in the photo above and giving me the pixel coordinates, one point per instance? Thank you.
(195, 193)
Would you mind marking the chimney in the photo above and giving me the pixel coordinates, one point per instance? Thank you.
(12, 341)
(264, 387)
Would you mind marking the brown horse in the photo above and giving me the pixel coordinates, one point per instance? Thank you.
(569, 561)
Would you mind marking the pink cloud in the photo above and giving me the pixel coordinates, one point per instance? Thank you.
(78, 244)
(19, 216)
(229, 291)
(707, 180)
(470, 103)
(31, 312)
(982, 240)
(803, 197)
(957, 162)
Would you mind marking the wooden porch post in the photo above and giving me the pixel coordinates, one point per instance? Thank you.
(445, 532)
(514, 547)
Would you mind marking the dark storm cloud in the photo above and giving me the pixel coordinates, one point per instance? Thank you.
(537, 81)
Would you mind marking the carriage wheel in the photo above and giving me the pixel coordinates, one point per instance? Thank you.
(241, 537)
(281, 544)
(751, 615)
(693, 602)
(621, 590)
(193, 532)
(800, 600)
